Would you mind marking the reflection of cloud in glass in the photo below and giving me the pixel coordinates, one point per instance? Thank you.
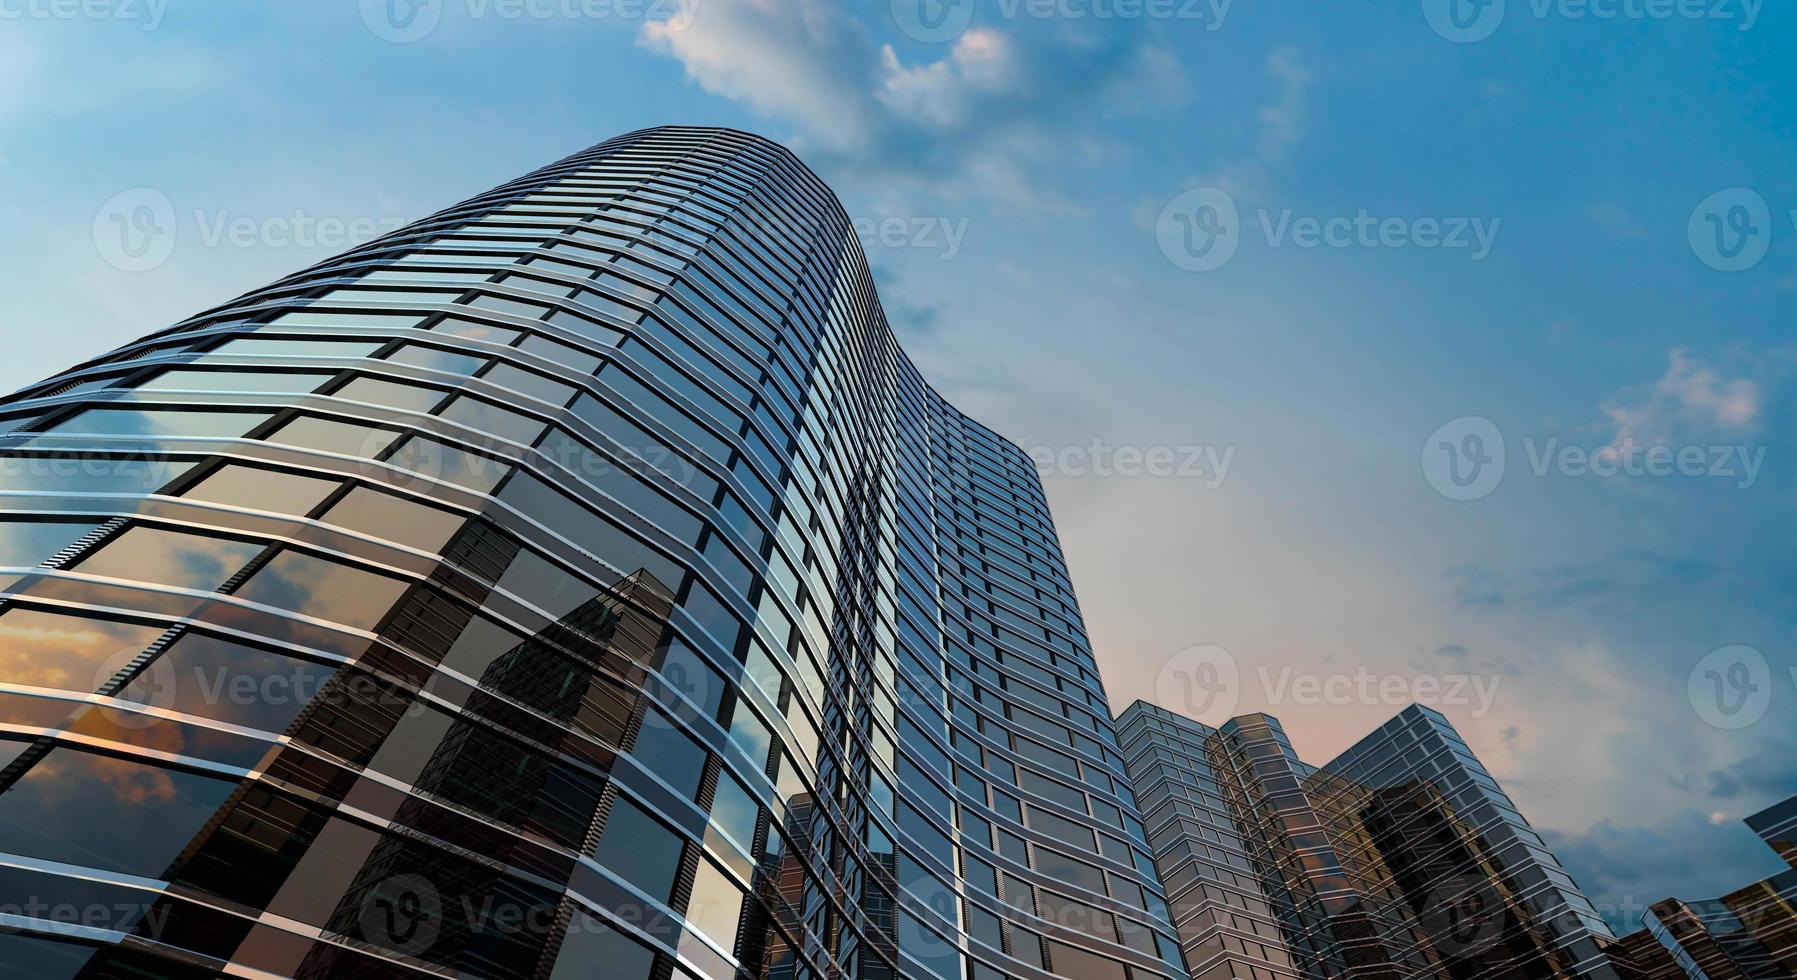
(27, 543)
(323, 589)
(41, 649)
(97, 811)
(175, 422)
(187, 561)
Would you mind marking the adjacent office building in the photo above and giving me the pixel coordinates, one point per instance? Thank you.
(1748, 934)
(579, 582)
(1402, 858)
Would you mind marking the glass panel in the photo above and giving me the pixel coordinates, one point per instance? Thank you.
(670, 753)
(262, 382)
(393, 394)
(259, 489)
(433, 459)
(323, 589)
(493, 420)
(296, 347)
(639, 849)
(68, 653)
(437, 359)
(590, 943)
(161, 422)
(75, 807)
(386, 516)
(27, 543)
(213, 678)
(571, 357)
(529, 383)
(345, 318)
(716, 906)
(475, 331)
(326, 435)
(185, 561)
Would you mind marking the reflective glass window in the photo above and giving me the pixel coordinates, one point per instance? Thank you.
(323, 589)
(186, 561)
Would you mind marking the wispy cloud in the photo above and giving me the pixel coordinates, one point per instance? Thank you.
(992, 114)
(1690, 396)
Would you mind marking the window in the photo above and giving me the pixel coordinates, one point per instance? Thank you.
(590, 943)
(431, 458)
(296, 347)
(392, 394)
(330, 436)
(161, 422)
(716, 906)
(27, 543)
(492, 420)
(437, 359)
(259, 382)
(669, 753)
(184, 561)
(230, 682)
(67, 653)
(75, 807)
(323, 589)
(639, 849)
(260, 489)
(383, 515)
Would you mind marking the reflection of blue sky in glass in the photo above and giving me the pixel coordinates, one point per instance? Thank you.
(26, 543)
(158, 423)
(1053, 145)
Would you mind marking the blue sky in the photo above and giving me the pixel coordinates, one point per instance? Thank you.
(1235, 452)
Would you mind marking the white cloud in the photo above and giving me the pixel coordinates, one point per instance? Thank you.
(944, 93)
(1690, 396)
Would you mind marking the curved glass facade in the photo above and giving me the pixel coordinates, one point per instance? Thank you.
(579, 582)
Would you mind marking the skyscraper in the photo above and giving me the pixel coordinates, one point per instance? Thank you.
(579, 582)
(1401, 858)
(1748, 934)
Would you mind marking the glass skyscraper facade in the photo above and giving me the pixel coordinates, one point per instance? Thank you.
(1401, 858)
(579, 582)
(1748, 934)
